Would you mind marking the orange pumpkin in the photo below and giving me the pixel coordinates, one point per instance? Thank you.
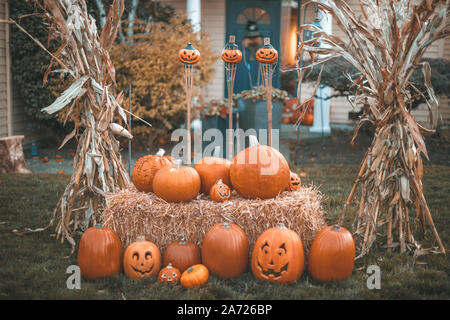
(194, 276)
(169, 274)
(332, 254)
(225, 250)
(189, 55)
(220, 192)
(99, 253)
(294, 182)
(308, 119)
(176, 184)
(146, 167)
(231, 53)
(278, 256)
(182, 254)
(259, 171)
(141, 259)
(211, 169)
(267, 53)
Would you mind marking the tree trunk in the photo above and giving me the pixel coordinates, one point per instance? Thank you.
(12, 159)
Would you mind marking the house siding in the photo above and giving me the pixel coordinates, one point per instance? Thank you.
(5, 112)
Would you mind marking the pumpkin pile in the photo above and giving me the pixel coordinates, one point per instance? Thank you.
(277, 256)
(257, 172)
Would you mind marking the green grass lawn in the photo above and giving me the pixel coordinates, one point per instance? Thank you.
(34, 265)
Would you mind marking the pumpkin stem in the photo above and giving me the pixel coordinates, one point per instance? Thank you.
(253, 141)
(140, 238)
(232, 39)
(178, 163)
(226, 225)
(190, 270)
(336, 227)
(169, 266)
(219, 181)
(99, 226)
(281, 225)
(161, 152)
(216, 153)
(182, 240)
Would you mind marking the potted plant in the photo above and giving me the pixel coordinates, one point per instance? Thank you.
(214, 115)
(254, 114)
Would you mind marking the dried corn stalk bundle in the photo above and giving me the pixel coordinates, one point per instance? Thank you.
(386, 45)
(93, 105)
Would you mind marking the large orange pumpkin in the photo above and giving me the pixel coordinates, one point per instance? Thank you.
(277, 255)
(177, 184)
(182, 254)
(332, 254)
(212, 169)
(225, 250)
(259, 172)
(99, 253)
(141, 259)
(146, 167)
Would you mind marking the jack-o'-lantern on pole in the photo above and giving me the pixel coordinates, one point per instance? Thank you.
(267, 56)
(189, 56)
(231, 55)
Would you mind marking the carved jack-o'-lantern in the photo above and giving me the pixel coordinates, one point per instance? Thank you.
(141, 259)
(294, 182)
(169, 274)
(267, 53)
(189, 55)
(231, 53)
(220, 192)
(278, 256)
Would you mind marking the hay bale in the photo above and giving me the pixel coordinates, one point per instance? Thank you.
(131, 213)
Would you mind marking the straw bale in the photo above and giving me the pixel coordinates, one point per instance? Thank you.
(132, 213)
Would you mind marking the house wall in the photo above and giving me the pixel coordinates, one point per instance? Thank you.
(5, 112)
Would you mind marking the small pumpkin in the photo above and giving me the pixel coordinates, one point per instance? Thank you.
(267, 53)
(146, 167)
(259, 171)
(194, 276)
(294, 182)
(308, 119)
(211, 169)
(141, 259)
(220, 192)
(278, 256)
(189, 55)
(225, 250)
(177, 184)
(182, 254)
(169, 274)
(332, 254)
(99, 253)
(231, 52)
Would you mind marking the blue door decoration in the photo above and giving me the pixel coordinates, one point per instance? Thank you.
(248, 19)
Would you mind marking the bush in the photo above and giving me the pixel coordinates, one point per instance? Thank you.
(149, 63)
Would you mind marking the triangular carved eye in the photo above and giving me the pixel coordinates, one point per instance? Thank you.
(283, 246)
(265, 247)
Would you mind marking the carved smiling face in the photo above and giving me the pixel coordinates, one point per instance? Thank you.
(294, 182)
(278, 256)
(231, 55)
(220, 192)
(141, 259)
(189, 55)
(267, 54)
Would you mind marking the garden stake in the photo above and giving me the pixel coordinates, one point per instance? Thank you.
(189, 56)
(231, 55)
(267, 57)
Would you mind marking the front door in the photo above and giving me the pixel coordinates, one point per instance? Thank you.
(267, 15)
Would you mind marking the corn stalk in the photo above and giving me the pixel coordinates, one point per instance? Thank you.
(386, 44)
(94, 106)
